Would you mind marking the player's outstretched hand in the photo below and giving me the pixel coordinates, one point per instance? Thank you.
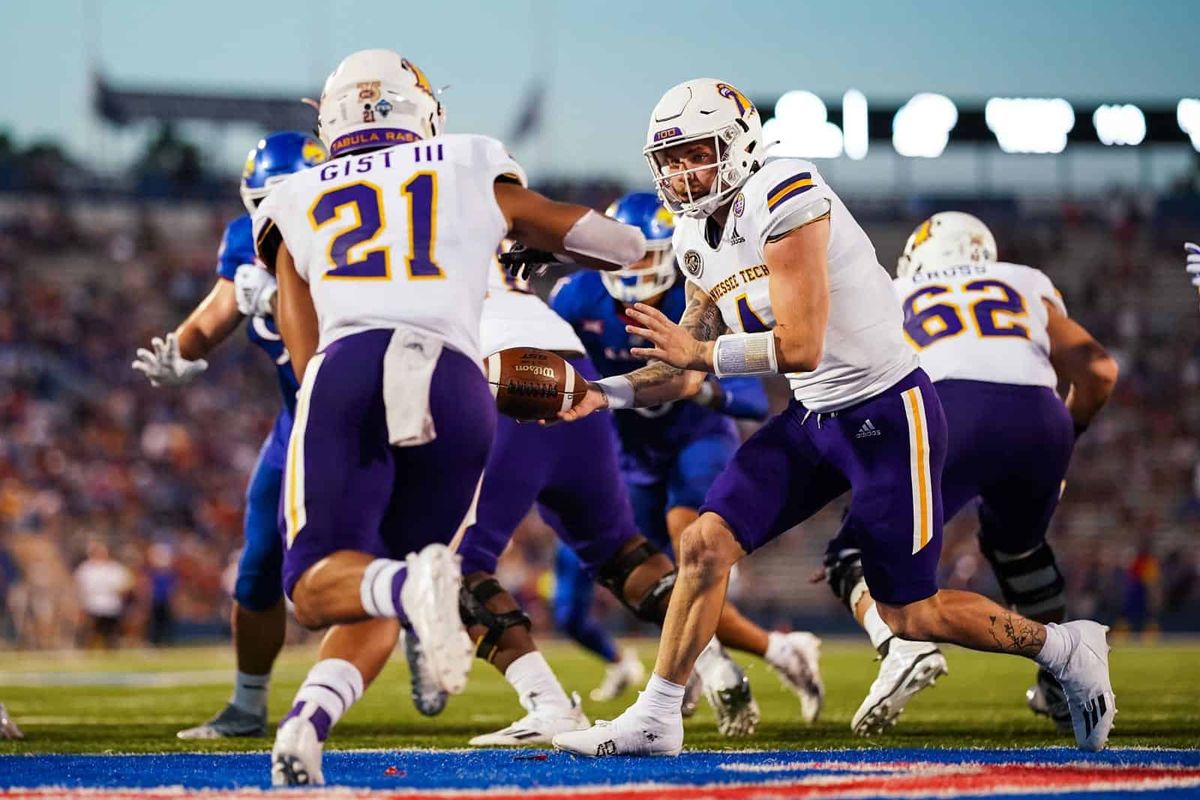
(163, 365)
(594, 400)
(255, 289)
(523, 262)
(672, 344)
(1193, 261)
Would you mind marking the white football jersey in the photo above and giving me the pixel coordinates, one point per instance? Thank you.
(981, 322)
(400, 237)
(513, 316)
(865, 351)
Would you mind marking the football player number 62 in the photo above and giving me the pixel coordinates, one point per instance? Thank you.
(994, 308)
(348, 255)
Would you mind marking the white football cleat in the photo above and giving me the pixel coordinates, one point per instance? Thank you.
(428, 696)
(906, 669)
(296, 756)
(430, 601)
(620, 677)
(1086, 683)
(537, 727)
(628, 735)
(727, 690)
(1047, 698)
(800, 671)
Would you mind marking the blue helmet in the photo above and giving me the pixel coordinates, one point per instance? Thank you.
(656, 273)
(275, 157)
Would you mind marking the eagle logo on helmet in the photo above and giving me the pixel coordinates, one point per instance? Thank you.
(744, 106)
(422, 82)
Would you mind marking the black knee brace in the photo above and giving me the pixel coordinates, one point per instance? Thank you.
(844, 574)
(615, 573)
(1029, 581)
(472, 607)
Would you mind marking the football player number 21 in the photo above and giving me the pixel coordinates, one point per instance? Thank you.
(993, 309)
(349, 250)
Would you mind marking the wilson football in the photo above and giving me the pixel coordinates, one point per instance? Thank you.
(531, 384)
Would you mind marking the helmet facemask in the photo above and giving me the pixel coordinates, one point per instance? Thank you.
(730, 173)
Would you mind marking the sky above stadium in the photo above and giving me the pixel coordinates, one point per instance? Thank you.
(603, 64)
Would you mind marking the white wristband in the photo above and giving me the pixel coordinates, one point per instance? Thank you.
(618, 391)
(745, 354)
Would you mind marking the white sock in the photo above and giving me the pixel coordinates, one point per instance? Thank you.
(250, 692)
(331, 687)
(536, 685)
(875, 627)
(661, 699)
(777, 648)
(1056, 651)
(379, 591)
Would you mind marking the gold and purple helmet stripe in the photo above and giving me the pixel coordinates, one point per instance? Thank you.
(786, 190)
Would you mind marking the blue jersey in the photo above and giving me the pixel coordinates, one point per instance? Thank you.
(651, 438)
(237, 248)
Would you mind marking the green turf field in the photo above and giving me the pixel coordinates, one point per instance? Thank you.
(981, 703)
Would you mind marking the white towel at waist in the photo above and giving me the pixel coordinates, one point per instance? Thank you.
(408, 367)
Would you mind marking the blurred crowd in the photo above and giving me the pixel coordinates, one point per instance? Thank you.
(121, 504)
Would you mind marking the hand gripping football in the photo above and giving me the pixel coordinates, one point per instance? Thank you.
(531, 384)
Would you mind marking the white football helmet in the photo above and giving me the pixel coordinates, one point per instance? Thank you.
(703, 109)
(376, 98)
(947, 239)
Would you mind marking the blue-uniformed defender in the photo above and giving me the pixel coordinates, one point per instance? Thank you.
(259, 615)
(670, 454)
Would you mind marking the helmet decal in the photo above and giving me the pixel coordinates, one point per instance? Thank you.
(743, 104)
(422, 82)
(313, 152)
(924, 231)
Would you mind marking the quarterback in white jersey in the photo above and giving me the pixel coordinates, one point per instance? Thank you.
(382, 262)
(864, 418)
(996, 339)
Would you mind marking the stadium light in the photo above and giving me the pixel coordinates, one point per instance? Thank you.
(1030, 124)
(801, 128)
(1119, 124)
(855, 128)
(921, 128)
(1188, 115)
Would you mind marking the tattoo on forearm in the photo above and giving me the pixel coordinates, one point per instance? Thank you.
(653, 374)
(1015, 634)
(702, 317)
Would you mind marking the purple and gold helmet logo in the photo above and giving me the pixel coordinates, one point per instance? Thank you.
(313, 152)
(744, 106)
(667, 133)
(422, 82)
(924, 231)
(739, 205)
(692, 263)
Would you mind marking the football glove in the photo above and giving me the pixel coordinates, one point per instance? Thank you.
(1193, 261)
(163, 365)
(523, 263)
(255, 289)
